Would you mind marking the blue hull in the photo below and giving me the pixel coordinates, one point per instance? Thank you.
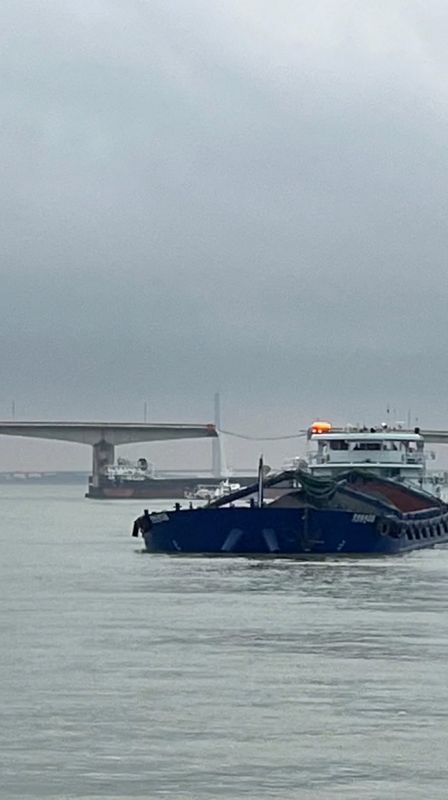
(288, 531)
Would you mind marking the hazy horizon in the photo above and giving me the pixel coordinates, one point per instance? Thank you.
(238, 197)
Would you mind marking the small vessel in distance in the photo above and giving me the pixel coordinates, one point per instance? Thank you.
(213, 491)
(363, 491)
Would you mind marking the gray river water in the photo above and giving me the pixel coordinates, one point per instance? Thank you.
(124, 675)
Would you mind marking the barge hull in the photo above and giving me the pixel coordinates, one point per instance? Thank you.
(279, 531)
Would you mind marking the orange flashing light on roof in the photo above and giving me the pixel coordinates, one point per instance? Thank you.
(320, 427)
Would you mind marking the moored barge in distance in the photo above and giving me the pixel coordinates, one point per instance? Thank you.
(360, 494)
(127, 480)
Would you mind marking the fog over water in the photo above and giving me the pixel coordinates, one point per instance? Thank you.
(245, 197)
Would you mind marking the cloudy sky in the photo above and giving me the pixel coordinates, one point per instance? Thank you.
(241, 195)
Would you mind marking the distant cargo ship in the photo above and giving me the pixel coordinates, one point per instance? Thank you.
(127, 480)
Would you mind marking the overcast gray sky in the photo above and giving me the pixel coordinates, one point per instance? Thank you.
(245, 195)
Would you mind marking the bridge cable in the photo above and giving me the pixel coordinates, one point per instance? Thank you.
(298, 435)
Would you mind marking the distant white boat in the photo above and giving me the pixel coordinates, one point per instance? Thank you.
(212, 491)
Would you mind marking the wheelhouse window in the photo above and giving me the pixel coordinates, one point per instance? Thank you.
(388, 445)
(338, 444)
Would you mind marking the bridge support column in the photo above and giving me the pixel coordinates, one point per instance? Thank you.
(103, 455)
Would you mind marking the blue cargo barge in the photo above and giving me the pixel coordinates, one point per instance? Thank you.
(362, 493)
(359, 514)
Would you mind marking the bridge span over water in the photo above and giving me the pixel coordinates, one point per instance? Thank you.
(103, 437)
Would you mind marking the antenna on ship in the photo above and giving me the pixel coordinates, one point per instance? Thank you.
(217, 443)
(260, 482)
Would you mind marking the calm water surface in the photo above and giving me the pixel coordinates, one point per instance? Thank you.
(124, 675)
